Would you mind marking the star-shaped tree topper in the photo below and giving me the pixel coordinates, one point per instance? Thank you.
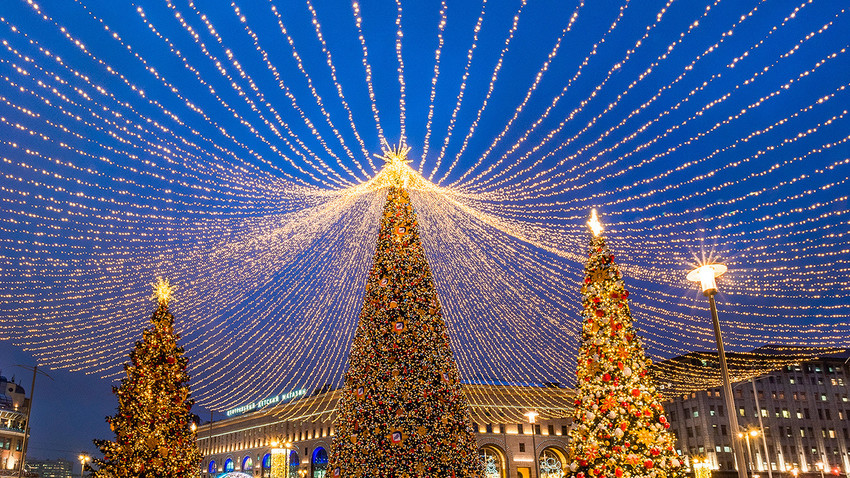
(163, 290)
(594, 224)
(396, 159)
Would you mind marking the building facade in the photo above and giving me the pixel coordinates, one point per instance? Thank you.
(52, 468)
(795, 420)
(301, 431)
(13, 418)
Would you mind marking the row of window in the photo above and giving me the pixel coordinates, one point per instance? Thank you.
(520, 428)
(801, 413)
(258, 438)
(7, 443)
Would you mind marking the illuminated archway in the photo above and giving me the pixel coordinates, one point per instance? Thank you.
(553, 463)
(319, 463)
(228, 465)
(492, 462)
(211, 469)
(294, 461)
(247, 463)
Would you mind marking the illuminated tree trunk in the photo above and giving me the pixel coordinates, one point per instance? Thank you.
(402, 411)
(619, 427)
(153, 426)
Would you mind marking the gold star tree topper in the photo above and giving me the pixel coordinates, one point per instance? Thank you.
(396, 168)
(594, 224)
(163, 290)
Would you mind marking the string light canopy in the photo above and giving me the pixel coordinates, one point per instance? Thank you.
(232, 150)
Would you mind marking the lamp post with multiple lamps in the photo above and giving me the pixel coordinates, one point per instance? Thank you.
(761, 430)
(820, 466)
(746, 434)
(705, 275)
(532, 418)
(83, 460)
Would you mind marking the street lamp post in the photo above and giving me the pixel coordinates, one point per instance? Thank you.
(705, 276)
(746, 434)
(820, 467)
(761, 429)
(83, 459)
(532, 417)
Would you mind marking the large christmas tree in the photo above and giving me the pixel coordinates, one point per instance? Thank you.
(402, 412)
(154, 436)
(619, 427)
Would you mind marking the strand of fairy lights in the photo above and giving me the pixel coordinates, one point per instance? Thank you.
(358, 23)
(570, 172)
(493, 77)
(539, 77)
(241, 93)
(441, 28)
(616, 67)
(462, 89)
(336, 83)
(140, 92)
(402, 101)
(300, 65)
(106, 108)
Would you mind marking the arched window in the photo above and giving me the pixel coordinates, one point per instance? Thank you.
(228, 465)
(320, 463)
(492, 462)
(267, 461)
(247, 463)
(212, 468)
(294, 461)
(553, 463)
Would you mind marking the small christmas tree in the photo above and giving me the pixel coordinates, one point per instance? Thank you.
(154, 436)
(619, 427)
(402, 412)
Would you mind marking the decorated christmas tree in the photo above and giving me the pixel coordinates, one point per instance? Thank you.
(619, 427)
(402, 412)
(154, 432)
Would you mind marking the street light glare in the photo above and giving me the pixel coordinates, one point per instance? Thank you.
(705, 276)
(532, 416)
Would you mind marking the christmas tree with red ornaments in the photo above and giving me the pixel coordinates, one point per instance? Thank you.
(619, 427)
(154, 432)
(402, 412)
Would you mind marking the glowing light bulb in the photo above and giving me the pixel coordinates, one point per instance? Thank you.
(705, 276)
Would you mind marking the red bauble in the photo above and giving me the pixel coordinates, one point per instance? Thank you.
(648, 464)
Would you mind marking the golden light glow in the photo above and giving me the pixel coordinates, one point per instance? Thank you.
(594, 223)
(396, 168)
(234, 167)
(163, 290)
(705, 275)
